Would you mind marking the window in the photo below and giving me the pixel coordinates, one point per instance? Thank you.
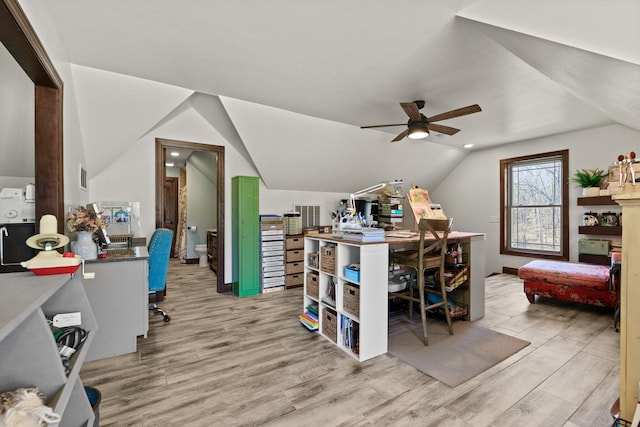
(534, 219)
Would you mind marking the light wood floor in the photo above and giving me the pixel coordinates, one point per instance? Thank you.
(225, 361)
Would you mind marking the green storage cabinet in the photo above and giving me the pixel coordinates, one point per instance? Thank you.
(245, 236)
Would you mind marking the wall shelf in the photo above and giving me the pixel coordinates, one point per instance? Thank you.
(596, 201)
(597, 230)
(600, 230)
(594, 259)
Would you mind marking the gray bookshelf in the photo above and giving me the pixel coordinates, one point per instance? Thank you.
(28, 352)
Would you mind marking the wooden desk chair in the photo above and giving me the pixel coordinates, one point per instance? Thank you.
(426, 258)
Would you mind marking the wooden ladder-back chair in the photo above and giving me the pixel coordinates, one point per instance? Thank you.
(426, 258)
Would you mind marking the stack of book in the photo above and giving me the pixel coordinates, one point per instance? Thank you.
(364, 235)
(390, 212)
(350, 334)
(310, 318)
(454, 279)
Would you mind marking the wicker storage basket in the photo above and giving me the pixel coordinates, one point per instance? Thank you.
(295, 242)
(329, 324)
(295, 255)
(294, 280)
(351, 299)
(313, 285)
(294, 267)
(328, 259)
(458, 311)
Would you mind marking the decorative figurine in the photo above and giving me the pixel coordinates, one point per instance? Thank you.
(626, 168)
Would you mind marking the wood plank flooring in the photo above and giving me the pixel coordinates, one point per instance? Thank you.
(226, 361)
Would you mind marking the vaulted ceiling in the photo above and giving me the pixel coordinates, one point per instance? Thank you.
(301, 77)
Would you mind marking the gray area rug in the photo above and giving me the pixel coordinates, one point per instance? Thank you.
(451, 359)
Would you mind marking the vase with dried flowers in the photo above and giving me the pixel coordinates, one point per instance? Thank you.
(84, 223)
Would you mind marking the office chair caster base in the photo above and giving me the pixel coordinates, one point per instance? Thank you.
(158, 310)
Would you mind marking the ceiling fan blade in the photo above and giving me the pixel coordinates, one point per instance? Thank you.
(412, 110)
(443, 129)
(469, 109)
(381, 126)
(400, 136)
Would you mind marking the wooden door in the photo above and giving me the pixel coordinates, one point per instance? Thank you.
(170, 214)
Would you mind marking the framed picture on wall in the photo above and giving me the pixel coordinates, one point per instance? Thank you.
(119, 215)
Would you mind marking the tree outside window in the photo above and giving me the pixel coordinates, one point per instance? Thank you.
(534, 199)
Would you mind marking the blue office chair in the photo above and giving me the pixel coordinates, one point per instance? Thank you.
(159, 251)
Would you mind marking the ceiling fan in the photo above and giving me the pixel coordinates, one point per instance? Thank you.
(419, 126)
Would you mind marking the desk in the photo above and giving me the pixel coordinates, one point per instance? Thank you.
(119, 297)
(372, 286)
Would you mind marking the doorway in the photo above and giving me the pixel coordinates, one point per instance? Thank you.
(161, 185)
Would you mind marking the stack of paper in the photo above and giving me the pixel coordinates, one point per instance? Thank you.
(365, 235)
(310, 318)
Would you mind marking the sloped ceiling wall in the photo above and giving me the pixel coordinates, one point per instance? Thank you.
(290, 151)
(115, 109)
(297, 152)
(289, 92)
(607, 84)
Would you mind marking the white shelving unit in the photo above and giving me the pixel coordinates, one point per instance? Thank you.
(372, 318)
(28, 352)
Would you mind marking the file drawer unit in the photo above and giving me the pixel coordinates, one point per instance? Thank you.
(272, 265)
(295, 261)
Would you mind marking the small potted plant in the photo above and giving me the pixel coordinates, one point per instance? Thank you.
(590, 180)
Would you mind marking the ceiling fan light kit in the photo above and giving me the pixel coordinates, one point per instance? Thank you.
(419, 126)
(418, 130)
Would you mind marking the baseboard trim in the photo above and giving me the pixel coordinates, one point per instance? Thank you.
(192, 260)
(510, 270)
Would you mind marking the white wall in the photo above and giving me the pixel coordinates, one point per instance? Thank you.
(471, 193)
(17, 115)
(15, 182)
(131, 176)
(74, 149)
(279, 201)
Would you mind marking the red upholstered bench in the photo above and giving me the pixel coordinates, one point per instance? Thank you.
(583, 283)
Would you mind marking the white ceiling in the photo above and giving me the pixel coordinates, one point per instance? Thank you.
(302, 76)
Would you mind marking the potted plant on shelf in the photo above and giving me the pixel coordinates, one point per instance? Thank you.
(590, 180)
